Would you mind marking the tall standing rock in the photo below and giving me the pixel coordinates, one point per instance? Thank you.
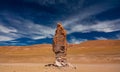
(60, 46)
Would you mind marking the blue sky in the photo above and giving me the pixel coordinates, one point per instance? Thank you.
(28, 22)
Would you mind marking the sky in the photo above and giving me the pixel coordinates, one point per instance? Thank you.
(29, 22)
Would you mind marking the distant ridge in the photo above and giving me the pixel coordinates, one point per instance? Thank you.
(97, 43)
(101, 43)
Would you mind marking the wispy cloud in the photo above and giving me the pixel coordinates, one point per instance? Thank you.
(90, 11)
(73, 23)
(101, 38)
(28, 23)
(105, 26)
(5, 38)
(5, 29)
(7, 33)
(29, 29)
(38, 31)
(76, 40)
(21, 27)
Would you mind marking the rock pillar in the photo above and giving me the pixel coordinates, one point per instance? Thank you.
(60, 46)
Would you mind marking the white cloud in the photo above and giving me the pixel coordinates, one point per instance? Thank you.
(6, 38)
(8, 33)
(38, 31)
(6, 29)
(101, 38)
(106, 26)
(76, 40)
(38, 37)
(73, 24)
(25, 28)
(89, 11)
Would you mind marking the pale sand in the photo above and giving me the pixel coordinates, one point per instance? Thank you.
(39, 67)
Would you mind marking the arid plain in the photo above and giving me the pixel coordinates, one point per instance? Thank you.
(90, 56)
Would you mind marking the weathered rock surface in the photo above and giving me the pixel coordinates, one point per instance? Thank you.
(60, 46)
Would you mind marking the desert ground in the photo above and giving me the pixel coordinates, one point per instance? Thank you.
(91, 56)
(39, 67)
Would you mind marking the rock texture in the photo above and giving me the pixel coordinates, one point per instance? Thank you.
(60, 46)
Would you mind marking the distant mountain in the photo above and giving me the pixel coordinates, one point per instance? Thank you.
(101, 43)
(97, 43)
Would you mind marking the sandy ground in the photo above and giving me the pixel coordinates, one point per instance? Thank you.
(39, 67)
(33, 59)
